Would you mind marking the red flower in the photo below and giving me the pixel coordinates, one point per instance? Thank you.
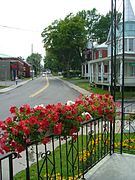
(33, 120)
(13, 144)
(25, 108)
(8, 120)
(44, 124)
(73, 130)
(1, 151)
(58, 129)
(14, 131)
(3, 126)
(29, 125)
(20, 148)
(13, 109)
(26, 130)
(46, 140)
(55, 117)
(5, 148)
(79, 119)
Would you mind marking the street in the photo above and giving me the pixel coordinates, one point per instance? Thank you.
(43, 90)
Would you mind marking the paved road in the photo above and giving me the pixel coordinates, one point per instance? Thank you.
(42, 90)
(39, 91)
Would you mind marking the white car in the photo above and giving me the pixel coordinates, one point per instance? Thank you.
(43, 75)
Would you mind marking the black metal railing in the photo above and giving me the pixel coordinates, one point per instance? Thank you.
(69, 157)
(129, 107)
(128, 133)
(6, 166)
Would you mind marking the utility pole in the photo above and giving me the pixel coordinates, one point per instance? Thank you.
(32, 60)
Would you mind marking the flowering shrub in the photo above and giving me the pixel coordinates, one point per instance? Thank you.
(31, 125)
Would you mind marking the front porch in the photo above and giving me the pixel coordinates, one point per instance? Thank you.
(95, 153)
(114, 167)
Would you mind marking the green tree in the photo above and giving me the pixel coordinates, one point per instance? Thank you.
(65, 40)
(102, 27)
(35, 60)
(91, 18)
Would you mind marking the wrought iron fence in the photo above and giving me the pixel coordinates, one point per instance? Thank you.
(67, 157)
(125, 139)
(7, 160)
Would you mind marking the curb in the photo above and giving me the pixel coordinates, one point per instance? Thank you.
(73, 86)
(13, 86)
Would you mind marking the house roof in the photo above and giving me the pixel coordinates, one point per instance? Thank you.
(103, 45)
(129, 13)
(5, 56)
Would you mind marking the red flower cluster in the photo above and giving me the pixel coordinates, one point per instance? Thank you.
(32, 125)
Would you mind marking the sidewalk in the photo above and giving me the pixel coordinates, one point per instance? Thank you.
(10, 85)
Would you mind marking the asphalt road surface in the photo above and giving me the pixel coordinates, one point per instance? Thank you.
(43, 90)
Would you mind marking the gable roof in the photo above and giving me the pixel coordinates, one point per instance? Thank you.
(5, 56)
(103, 45)
(129, 13)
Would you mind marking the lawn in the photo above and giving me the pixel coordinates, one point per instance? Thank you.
(84, 83)
(91, 154)
(69, 156)
(1, 87)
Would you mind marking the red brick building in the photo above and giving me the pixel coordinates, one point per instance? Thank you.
(12, 67)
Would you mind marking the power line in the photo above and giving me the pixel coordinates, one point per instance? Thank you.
(17, 28)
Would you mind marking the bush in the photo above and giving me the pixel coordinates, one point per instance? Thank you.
(72, 73)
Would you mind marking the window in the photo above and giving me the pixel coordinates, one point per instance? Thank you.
(105, 68)
(132, 70)
(86, 68)
(99, 68)
(125, 44)
(130, 44)
(100, 53)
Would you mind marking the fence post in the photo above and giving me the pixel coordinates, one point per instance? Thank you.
(27, 165)
(10, 167)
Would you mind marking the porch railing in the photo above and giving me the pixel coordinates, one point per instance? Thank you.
(8, 169)
(67, 157)
(128, 134)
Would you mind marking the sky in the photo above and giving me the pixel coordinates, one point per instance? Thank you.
(22, 21)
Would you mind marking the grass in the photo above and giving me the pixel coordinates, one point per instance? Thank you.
(128, 143)
(84, 83)
(92, 148)
(1, 87)
(73, 156)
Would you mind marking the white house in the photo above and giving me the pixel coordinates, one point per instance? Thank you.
(98, 68)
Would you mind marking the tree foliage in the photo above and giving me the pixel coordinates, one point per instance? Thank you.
(35, 60)
(65, 40)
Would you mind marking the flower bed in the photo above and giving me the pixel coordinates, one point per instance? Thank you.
(31, 125)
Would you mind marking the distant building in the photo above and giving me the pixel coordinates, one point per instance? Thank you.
(12, 67)
(97, 67)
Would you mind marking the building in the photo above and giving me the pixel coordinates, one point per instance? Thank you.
(12, 67)
(98, 68)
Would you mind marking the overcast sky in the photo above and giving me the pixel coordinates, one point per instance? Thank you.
(30, 17)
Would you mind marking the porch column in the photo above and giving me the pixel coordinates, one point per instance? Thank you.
(102, 72)
(82, 70)
(120, 74)
(85, 70)
(109, 76)
(89, 72)
(96, 72)
(92, 73)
